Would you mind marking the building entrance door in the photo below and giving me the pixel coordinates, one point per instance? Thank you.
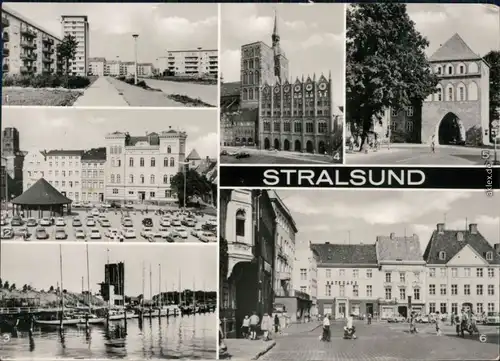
(101, 197)
(342, 309)
(369, 308)
(142, 196)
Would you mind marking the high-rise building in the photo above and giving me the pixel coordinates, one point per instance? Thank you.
(197, 62)
(78, 26)
(10, 141)
(27, 47)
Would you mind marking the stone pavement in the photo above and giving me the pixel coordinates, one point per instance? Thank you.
(384, 342)
(243, 349)
(206, 93)
(138, 97)
(101, 93)
(302, 157)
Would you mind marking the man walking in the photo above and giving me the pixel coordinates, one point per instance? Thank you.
(254, 323)
(326, 329)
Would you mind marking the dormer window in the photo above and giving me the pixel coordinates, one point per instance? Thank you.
(449, 69)
(489, 256)
(442, 255)
(460, 236)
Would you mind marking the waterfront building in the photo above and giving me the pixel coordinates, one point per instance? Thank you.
(462, 267)
(98, 66)
(140, 168)
(92, 177)
(403, 270)
(27, 47)
(247, 226)
(349, 280)
(78, 26)
(195, 62)
(64, 172)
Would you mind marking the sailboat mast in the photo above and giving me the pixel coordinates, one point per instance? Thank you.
(62, 288)
(150, 283)
(179, 288)
(159, 284)
(88, 280)
(143, 284)
(194, 295)
(107, 280)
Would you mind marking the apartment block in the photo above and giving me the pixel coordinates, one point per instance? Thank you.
(78, 26)
(27, 47)
(197, 62)
(98, 66)
(145, 69)
(115, 68)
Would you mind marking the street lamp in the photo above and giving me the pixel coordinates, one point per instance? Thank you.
(184, 170)
(135, 36)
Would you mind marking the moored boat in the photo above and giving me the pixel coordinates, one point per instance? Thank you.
(67, 322)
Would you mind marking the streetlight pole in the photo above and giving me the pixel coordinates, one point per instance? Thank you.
(184, 170)
(135, 36)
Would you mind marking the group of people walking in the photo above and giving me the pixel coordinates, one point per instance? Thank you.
(252, 324)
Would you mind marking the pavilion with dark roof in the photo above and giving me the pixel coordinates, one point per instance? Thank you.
(42, 200)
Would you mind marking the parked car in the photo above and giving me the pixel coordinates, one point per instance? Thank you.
(196, 231)
(493, 318)
(165, 222)
(242, 154)
(106, 205)
(164, 232)
(60, 222)
(223, 152)
(176, 223)
(76, 205)
(147, 222)
(41, 233)
(207, 237)
(128, 233)
(170, 238)
(45, 222)
(23, 233)
(104, 222)
(16, 221)
(90, 222)
(7, 233)
(79, 233)
(111, 232)
(127, 222)
(181, 232)
(188, 222)
(115, 205)
(146, 232)
(61, 233)
(95, 234)
(31, 222)
(76, 222)
(396, 319)
(95, 212)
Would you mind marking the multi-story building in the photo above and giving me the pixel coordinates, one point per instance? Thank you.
(457, 113)
(63, 172)
(286, 229)
(34, 168)
(305, 275)
(349, 280)
(98, 66)
(247, 222)
(403, 269)
(10, 141)
(13, 160)
(115, 68)
(128, 68)
(93, 177)
(140, 168)
(197, 62)
(27, 47)
(193, 159)
(145, 69)
(463, 268)
(78, 26)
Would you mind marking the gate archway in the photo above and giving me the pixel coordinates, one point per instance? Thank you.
(286, 144)
(451, 130)
(276, 144)
(309, 147)
(267, 143)
(298, 146)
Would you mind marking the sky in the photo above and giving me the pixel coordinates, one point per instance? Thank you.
(478, 25)
(38, 265)
(312, 37)
(161, 27)
(68, 128)
(329, 216)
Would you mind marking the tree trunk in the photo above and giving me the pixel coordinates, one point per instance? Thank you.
(367, 124)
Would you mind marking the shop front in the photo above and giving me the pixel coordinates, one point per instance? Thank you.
(298, 306)
(362, 307)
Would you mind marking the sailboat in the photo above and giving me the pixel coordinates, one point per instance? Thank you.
(117, 342)
(91, 319)
(62, 321)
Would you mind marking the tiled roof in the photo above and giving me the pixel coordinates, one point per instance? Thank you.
(345, 253)
(41, 193)
(95, 154)
(392, 248)
(454, 48)
(193, 155)
(65, 152)
(447, 241)
(230, 89)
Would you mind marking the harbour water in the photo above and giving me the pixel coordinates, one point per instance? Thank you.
(182, 337)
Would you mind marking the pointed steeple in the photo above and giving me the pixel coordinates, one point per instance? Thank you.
(275, 36)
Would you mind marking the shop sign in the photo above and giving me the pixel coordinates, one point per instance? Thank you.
(346, 283)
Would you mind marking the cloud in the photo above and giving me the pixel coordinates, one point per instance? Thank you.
(181, 27)
(191, 128)
(385, 211)
(426, 18)
(231, 63)
(206, 146)
(324, 40)
(315, 228)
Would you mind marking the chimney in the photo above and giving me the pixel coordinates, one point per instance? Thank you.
(496, 246)
(327, 242)
(440, 227)
(473, 228)
(415, 237)
(393, 235)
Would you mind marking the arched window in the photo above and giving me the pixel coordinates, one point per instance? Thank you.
(131, 162)
(112, 178)
(118, 178)
(240, 223)
(256, 77)
(172, 162)
(438, 96)
(461, 68)
(169, 149)
(165, 162)
(170, 177)
(461, 92)
(165, 179)
(152, 179)
(449, 93)
(472, 91)
(141, 162)
(473, 68)
(489, 256)
(153, 162)
(438, 69)
(245, 94)
(250, 77)
(442, 255)
(449, 69)
(142, 178)
(131, 179)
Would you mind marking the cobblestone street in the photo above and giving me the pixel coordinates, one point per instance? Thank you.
(385, 342)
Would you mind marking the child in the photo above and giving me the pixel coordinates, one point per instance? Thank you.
(439, 323)
(245, 327)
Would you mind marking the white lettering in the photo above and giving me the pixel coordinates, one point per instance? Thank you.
(337, 179)
(324, 177)
(306, 175)
(288, 173)
(417, 172)
(271, 177)
(393, 176)
(372, 181)
(358, 178)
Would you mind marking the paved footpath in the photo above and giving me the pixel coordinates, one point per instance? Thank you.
(101, 93)
(385, 342)
(262, 156)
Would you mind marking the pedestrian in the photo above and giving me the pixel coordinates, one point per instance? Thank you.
(369, 318)
(439, 323)
(326, 329)
(266, 326)
(413, 327)
(276, 323)
(254, 322)
(453, 318)
(245, 327)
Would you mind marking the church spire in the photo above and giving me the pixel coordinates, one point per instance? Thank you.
(275, 36)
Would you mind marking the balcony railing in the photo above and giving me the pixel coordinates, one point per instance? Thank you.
(47, 40)
(6, 52)
(5, 37)
(28, 32)
(27, 69)
(5, 68)
(47, 60)
(5, 22)
(48, 50)
(27, 44)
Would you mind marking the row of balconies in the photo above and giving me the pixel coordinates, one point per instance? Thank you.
(28, 56)
(5, 37)
(5, 22)
(47, 40)
(48, 50)
(5, 52)
(27, 31)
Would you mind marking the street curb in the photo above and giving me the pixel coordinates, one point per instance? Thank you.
(263, 352)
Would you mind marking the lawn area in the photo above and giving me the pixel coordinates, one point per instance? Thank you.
(39, 96)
